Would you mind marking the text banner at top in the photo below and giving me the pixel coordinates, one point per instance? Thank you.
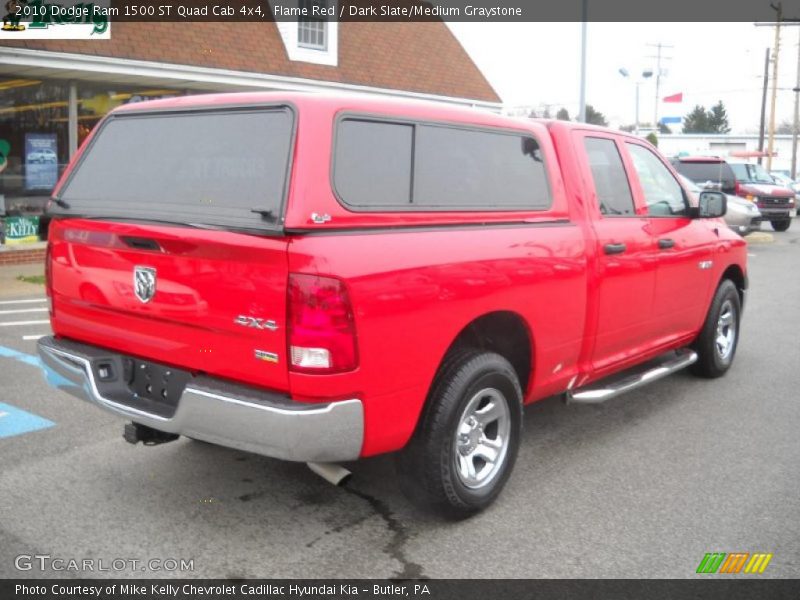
(710, 11)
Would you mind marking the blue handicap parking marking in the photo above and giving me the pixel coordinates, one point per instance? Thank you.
(15, 421)
(28, 359)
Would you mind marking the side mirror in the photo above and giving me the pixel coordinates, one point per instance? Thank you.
(711, 205)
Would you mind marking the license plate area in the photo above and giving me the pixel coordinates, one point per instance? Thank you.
(143, 385)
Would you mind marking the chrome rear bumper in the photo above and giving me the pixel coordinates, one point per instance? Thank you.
(219, 412)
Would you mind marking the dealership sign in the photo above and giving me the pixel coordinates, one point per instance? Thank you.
(38, 19)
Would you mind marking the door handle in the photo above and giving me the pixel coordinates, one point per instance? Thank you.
(614, 248)
(666, 243)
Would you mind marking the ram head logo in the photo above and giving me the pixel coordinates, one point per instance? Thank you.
(144, 283)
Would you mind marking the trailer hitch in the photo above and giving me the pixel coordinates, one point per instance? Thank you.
(135, 433)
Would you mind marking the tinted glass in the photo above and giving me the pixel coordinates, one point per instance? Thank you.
(372, 166)
(453, 168)
(662, 192)
(478, 169)
(719, 173)
(610, 180)
(203, 167)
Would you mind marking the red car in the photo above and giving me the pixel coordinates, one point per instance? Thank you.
(320, 278)
(775, 202)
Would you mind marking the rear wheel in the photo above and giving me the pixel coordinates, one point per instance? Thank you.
(781, 225)
(466, 442)
(717, 342)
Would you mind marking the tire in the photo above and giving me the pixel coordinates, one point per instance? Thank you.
(781, 225)
(717, 342)
(473, 411)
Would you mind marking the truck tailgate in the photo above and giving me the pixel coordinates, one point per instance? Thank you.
(217, 303)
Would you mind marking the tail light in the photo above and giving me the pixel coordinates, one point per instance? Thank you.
(48, 277)
(321, 332)
(737, 190)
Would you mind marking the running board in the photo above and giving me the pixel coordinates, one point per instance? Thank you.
(615, 385)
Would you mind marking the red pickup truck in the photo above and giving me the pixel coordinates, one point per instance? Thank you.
(322, 278)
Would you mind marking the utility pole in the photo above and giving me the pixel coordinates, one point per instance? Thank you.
(763, 107)
(582, 103)
(659, 57)
(771, 139)
(796, 123)
(771, 142)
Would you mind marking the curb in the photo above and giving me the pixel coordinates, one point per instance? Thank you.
(760, 237)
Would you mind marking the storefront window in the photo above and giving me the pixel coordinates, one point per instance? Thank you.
(34, 141)
(34, 134)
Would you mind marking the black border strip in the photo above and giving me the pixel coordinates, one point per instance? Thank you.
(424, 227)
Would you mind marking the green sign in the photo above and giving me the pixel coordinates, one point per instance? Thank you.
(21, 230)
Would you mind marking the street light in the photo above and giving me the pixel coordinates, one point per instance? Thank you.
(647, 73)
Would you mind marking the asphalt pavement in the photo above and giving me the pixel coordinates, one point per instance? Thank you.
(642, 486)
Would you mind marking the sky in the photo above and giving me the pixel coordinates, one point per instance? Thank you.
(539, 64)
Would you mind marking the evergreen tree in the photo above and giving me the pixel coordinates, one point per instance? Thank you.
(562, 114)
(595, 117)
(718, 119)
(696, 121)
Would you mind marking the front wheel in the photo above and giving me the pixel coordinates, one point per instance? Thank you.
(466, 442)
(781, 225)
(717, 342)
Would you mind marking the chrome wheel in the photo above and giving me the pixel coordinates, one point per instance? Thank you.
(725, 339)
(482, 437)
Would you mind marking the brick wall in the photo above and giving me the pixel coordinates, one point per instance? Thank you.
(21, 257)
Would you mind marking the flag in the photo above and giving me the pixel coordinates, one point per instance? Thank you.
(674, 98)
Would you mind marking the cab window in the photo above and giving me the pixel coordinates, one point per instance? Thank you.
(611, 185)
(662, 192)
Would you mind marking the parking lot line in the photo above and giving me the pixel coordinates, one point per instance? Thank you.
(33, 337)
(26, 301)
(22, 310)
(15, 323)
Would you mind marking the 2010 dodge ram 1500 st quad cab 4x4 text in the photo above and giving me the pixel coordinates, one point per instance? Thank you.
(320, 278)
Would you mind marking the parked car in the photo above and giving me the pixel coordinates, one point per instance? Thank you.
(783, 178)
(776, 203)
(742, 215)
(363, 275)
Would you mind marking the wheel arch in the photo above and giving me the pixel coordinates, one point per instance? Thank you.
(735, 274)
(505, 332)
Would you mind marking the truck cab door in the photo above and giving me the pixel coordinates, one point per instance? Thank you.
(684, 247)
(624, 278)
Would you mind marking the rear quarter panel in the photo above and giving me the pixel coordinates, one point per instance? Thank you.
(414, 291)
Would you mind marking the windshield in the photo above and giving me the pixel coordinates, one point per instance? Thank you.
(221, 168)
(751, 173)
(760, 175)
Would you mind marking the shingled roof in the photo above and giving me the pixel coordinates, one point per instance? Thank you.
(417, 57)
